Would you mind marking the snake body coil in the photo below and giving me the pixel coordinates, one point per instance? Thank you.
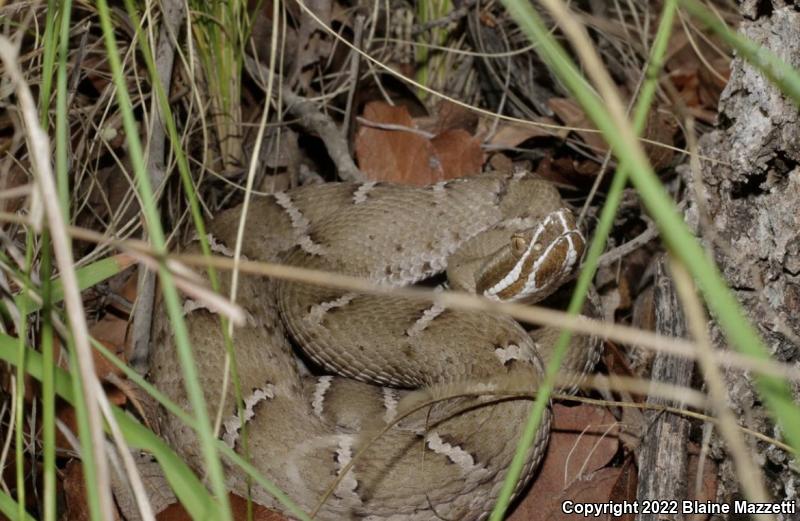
(506, 236)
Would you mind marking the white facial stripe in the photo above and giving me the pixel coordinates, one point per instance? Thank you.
(572, 253)
(530, 286)
(515, 272)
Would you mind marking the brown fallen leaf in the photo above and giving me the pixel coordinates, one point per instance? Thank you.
(76, 507)
(111, 331)
(511, 134)
(573, 116)
(660, 128)
(582, 440)
(624, 488)
(458, 153)
(567, 171)
(708, 481)
(406, 157)
(449, 116)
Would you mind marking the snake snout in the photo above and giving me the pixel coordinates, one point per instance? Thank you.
(540, 259)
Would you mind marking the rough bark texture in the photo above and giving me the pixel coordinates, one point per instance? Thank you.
(752, 209)
(663, 454)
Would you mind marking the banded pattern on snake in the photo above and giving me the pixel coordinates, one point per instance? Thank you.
(506, 236)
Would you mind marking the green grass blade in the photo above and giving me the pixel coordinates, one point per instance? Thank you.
(88, 276)
(170, 294)
(48, 394)
(48, 385)
(8, 507)
(62, 174)
(88, 460)
(48, 63)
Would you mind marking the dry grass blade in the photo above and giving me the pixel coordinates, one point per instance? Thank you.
(39, 146)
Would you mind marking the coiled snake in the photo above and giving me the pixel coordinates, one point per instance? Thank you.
(506, 236)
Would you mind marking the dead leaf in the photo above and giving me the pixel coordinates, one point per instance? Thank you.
(582, 440)
(393, 155)
(660, 128)
(458, 153)
(511, 134)
(566, 170)
(405, 157)
(451, 116)
(708, 481)
(111, 331)
(594, 488)
(624, 488)
(573, 116)
(76, 507)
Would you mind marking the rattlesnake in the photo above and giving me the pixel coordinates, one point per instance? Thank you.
(446, 462)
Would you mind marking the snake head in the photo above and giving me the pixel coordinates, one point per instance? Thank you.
(536, 261)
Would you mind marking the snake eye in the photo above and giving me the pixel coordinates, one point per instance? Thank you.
(518, 244)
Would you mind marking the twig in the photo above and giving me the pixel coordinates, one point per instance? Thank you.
(172, 16)
(632, 245)
(394, 126)
(355, 63)
(312, 119)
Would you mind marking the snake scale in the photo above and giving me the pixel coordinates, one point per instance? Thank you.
(504, 235)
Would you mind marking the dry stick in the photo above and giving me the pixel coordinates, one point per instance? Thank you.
(355, 66)
(750, 477)
(663, 451)
(632, 245)
(312, 119)
(172, 16)
(40, 158)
